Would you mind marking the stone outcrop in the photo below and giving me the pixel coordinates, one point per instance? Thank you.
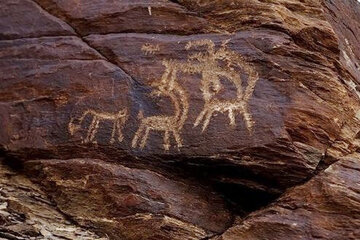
(130, 203)
(184, 119)
(326, 207)
(27, 213)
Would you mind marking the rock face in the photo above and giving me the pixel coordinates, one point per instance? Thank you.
(27, 213)
(181, 119)
(130, 203)
(326, 207)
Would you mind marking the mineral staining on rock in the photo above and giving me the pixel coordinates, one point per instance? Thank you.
(212, 119)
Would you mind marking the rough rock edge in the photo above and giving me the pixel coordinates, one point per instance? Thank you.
(320, 170)
(27, 213)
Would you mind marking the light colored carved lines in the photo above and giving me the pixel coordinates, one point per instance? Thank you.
(150, 49)
(207, 63)
(213, 64)
(118, 120)
(168, 87)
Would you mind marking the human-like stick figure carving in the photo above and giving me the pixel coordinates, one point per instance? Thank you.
(118, 120)
(207, 63)
(167, 87)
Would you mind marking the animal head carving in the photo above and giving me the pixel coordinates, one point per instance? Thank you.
(123, 113)
(73, 127)
(166, 83)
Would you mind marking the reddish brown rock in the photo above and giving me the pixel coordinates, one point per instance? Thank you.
(326, 207)
(288, 122)
(35, 74)
(347, 28)
(294, 119)
(24, 18)
(161, 103)
(27, 213)
(130, 203)
(99, 16)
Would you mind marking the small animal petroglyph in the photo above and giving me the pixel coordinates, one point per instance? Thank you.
(118, 120)
(149, 49)
(167, 87)
(207, 64)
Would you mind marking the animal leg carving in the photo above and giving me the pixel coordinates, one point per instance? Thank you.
(177, 138)
(115, 125)
(143, 140)
(200, 117)
(90, 130)
(166, 141)
(94, 131)
(120, 135)
(232, 118)
(137, 134)
(207, 120)
(249, 122)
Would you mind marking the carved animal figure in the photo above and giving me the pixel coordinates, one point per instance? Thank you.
(207, 64)
(118, 120)
(168, 124)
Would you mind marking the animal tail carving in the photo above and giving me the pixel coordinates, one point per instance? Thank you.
(73, 127)
(140, 115)
(252, 80)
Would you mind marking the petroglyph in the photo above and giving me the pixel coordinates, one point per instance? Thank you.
(149, 49)
(118, 120)
(213, 65)
(207, 64)
(168, 87)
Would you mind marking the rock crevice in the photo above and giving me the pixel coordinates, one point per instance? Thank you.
(180, 119)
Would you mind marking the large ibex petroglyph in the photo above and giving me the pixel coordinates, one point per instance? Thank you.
(168, 87)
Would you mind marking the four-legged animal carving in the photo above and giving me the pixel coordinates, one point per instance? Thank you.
(168, 124)
(212, 65)
(207, 64)
(118, 120)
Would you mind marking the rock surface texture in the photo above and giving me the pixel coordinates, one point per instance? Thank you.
(160, 119)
